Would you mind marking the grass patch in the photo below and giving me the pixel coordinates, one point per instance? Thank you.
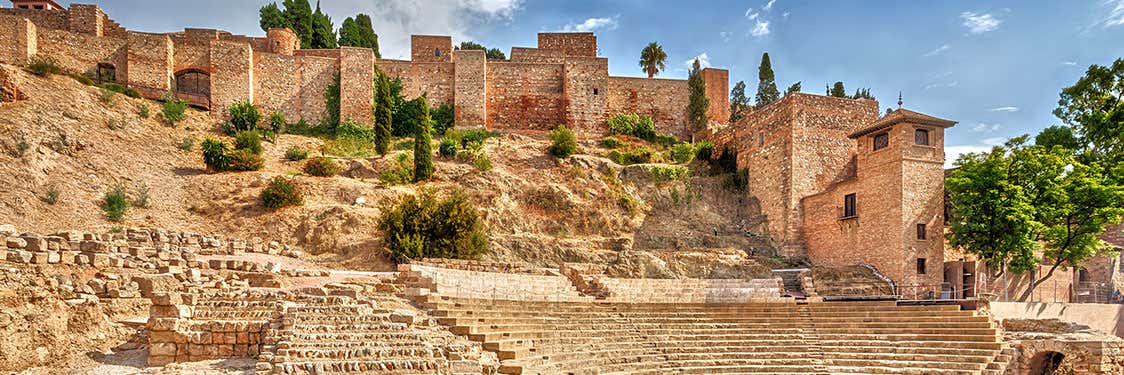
(115, 203)
(401, 171)
(43, 66)
(296, 154)
(664, 173)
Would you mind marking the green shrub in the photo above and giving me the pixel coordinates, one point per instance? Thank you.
(245, 160)
(611, 142)
(331, 116)
(296, 154)
(107, 96)
(447, 148)
(83, 79)
(52, 195)
(187, 143)
(277, 122)
(663, 173)
(482, 162)
(281, 193)
(321, 167)
(563, 143)
(624, 123)
(352, 130)
(216, 155)
(43, 66)
(173, 109)
(143, 111)
(639, 155)
(121, 89)
(683, 152)
(350, 148)
(243, 116)
(443, 119)
(421, 226)
(473, 139)
(401, 171)
(665, 140)
(141, 200)
(423, 148)
(704, 150)
(115, 203)
(248, 140)
(117, 123)
(22, 146)
(645, 129)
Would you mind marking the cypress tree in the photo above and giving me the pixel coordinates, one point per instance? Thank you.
(837, 90)
(298, 16)
(766, 86)
(698, 102)
(323, 32)
(270, 16)
(738, 102)
(423, 151)
(794, 88)
(358, 32)
(383, 115)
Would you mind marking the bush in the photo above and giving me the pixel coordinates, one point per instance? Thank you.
(118, 88)
(107, 96)
(611, 142)
(401, 171)
(174, 109)
(321, 167)
(665, 140)
(83, 79)
(704, 150)
(115, 203)
(421, 226)
(216, 155)
(243, 116)
(473, 139)
(683, 152)
(277, 122)
(447, 148)
(639, 155)
(645, 129)
(187, 143)
(245, 160)
(249, 140)
(661, 173)
(52, 195)
(352, 130)
(143, 111)
(482, 162)
(563, 143)
(117, 123)
(443, 119)
(281, 193)
(624, 123)
(141, 199)
(296, 154)
(43, 66)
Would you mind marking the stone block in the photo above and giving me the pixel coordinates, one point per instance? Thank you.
(162, 349)
(15, 242)
(34, 243)
(178, 312)
(7, 229)
(39, 257)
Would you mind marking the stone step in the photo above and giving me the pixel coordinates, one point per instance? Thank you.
(361, 366)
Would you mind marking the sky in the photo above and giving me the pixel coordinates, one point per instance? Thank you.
(996, 67)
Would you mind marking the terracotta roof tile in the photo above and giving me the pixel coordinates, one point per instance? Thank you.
(900, 116)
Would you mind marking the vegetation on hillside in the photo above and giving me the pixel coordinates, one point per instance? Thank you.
(423, 226)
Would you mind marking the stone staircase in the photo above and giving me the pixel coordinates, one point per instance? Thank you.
(542, 337)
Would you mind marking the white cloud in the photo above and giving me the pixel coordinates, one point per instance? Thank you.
(942, 85)
(1116, 15)
(725, 36)
(980, 23)
(938, 51)
(786, 14)
(601, 23)
(761, 29)
(1004, 109)
(704, 61)
(982, 127)
(396, 20)
(1070, 63)
(769, 6)
(748, 11)
(754, 16)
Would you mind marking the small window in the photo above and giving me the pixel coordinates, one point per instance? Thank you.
(1083, 276)
(921, 234)
(595, 91)
(105, 72)
(921, 137)
(24, 7)
(920, 266)
(761, 139)
(437, 52)
(849, 206)
(39, 7)
(881, 141)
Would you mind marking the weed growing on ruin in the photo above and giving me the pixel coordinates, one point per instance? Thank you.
(107, 97)
(173, 109)
(187, 144)
(401, 171)
(115, 203)
(244, 116)
(321, 167)
(43, 66)
(616, 188)
(563, 143)
(249, 140)
(120, 89)
(116, 229)
(664, 173)
(682, 153)
(422, 226)
(277, 123)
(216, 154)
(281, 193)
(51, 196)
(141, 199)
(242, 160)
(611, 142)
(482, 162)
(704, 150)
(447, 148)
(638, 155)
(83, 79)
(296, 154)
(143, 111)
(22, 146)
(117, 123)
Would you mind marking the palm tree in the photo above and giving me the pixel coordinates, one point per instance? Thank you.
(652, 59)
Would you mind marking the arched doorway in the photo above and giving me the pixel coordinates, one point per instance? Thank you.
(105, 72)
(1046, 363)
(194, 86)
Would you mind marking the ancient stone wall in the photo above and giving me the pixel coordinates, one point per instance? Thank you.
(431, 48)
(47, 19)
(283, 41)
(187, 56)
(525, 96)
(470, 86)
(316, 74)
(535, 55)
(664, 100)
(436, 80)
(149, 63)
(81, 53)
(18, 40)
(357, 95)
(279, 85)
(717, 92)
(586, 81)
(570, 44)
(87, 19)
(233, 80)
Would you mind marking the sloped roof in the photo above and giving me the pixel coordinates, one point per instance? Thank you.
(52, 2)
(899, 116)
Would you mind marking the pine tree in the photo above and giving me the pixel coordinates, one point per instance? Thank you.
(794, 88)
(323, 32)
(698, 103)
(383, 115)
(739, 103)
(863, 93)
(271, 17)
(298, 17)
(358, 32)
(766, 86)
(423, 150)
(837, 90)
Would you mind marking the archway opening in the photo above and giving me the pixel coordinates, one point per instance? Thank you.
(194, 86)
(1046, 363)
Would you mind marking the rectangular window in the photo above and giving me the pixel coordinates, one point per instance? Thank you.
(761, 139)
(849, 206)
(921, 137)
(921, 235)
(881, 141)
(920, 266)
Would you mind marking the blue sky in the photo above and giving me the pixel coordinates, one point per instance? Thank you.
(994, 66)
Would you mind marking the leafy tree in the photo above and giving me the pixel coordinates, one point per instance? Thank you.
(423, 150)
(421, 226)
(863, 94)
(794, 88)
(444, 118)
(1094, 107)
(358, 32)
(652, 59)
(323, 32)
(837, 90)
(331, 106)
(889, 111)
(495, 54)
(766, 86)
(383, 115)
(271, 17)
(1061, 136)
(468, 44)
(697, 102)
(739, 103)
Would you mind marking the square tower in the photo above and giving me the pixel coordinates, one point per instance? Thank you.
(570, 44)
(431, 48)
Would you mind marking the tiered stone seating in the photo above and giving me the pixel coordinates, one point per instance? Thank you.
(491, 285)
(535, 337)
(338, 334)
(690, 290)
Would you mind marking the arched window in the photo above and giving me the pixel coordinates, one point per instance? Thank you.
(105, 72)
(437, 52)
(193, 82)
